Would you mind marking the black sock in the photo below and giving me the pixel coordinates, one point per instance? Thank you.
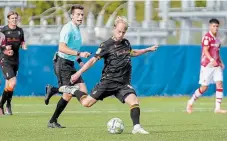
(135, 114)
(60, 107)
(55, 90)
(79, 94)
(4, 98)
(10, 95)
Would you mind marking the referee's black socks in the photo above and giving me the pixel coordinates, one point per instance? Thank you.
(135, 114)
(60, 107)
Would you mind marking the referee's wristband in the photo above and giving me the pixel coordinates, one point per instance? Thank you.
(79, 60)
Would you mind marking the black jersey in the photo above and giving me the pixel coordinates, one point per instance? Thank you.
(117, 60)
(14, 37)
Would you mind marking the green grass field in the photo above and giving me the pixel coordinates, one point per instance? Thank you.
(164, 117)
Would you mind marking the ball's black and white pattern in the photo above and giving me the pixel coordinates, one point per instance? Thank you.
(115, 126)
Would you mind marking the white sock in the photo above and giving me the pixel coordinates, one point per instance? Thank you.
(137, 126)
(219, 95)
(195, 96)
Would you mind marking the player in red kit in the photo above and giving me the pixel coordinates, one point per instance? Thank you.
(211, 67)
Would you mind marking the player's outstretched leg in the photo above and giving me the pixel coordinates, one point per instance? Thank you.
(133, 102)
(50, 91)
(194, 97)
(82, 97)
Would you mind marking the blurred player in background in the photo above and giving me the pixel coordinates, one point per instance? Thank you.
(116, 75)
(14, 37)
(211, 67)
(69, 46)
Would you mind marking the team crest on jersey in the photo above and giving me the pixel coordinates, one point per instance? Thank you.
(18, 32)
(98, 51)
(8, 32)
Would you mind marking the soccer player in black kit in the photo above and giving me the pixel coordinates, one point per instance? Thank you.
(116, 75)
(14, 36)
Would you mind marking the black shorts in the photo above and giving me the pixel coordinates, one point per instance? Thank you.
(107, 88)
(63, 69)
(9, 70)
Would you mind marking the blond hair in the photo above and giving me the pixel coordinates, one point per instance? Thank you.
(121, 19)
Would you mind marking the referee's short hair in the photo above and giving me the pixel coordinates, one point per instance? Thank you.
(77, 6)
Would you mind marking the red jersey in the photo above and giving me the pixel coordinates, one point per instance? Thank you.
(214, 45)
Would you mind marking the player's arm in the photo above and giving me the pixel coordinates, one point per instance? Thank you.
(222, 64)
(206, 46)
(23, 44)
(207, 54)
(138, 52)
(5, 49)
(100, 53)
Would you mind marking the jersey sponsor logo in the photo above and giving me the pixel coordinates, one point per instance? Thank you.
(117, 46)
(123, 52)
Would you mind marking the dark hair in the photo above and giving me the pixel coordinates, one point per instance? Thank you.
(215, 21)
(11, 13)
(77, 6)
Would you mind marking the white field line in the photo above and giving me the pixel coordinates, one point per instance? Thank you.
(115, 111)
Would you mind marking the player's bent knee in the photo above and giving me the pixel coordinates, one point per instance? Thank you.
(88, 101)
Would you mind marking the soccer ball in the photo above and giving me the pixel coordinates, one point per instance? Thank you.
(115, 126)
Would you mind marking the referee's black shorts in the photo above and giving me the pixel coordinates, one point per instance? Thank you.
(63, 69)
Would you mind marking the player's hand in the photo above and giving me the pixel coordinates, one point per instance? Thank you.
(24, 46)
(222, 66)
(214, 62)
(8, 52)
(81, 64)
(85, 54)
(153, 48)
(75, 77)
